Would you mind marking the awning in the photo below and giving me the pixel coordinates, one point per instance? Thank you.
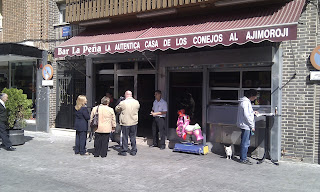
(14, 52)
(273, 23)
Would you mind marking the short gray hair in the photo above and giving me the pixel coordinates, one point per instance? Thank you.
(105, 100)
(2, 95)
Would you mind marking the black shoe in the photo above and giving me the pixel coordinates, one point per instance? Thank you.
(122, 154)
(10, 149)
(133, 154)
(153, 146)
(247, 162)
(162, 148)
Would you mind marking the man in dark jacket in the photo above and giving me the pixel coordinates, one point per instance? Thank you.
(4, 122)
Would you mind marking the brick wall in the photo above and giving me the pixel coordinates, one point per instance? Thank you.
(300, 125)
(14, 20)
(26, 21)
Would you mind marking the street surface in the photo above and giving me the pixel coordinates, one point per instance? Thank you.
(46, 162)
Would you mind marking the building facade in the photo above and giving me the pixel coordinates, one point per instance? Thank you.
(31, 24)
(203, 55)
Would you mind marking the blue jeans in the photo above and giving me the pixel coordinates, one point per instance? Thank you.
(245, 143)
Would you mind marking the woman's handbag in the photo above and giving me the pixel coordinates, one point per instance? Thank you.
(95, 120)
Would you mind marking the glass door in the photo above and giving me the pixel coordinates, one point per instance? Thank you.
(145, 89)
(125, 83)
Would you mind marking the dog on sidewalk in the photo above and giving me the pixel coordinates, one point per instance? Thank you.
(228, 151)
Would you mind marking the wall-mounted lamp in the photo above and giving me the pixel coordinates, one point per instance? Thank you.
(157, 13)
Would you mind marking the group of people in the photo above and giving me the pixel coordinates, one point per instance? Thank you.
(127, 109)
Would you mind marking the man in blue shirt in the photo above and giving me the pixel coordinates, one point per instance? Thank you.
(159, 111)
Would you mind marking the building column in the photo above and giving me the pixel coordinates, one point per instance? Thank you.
(90, 83)
(42, 104)
(205, 82)
(276, 105)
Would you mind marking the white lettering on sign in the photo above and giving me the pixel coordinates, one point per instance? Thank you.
(93, 49)
(62, 51)
(233, 37)
(217, 38)
(125, 46)
(107, 48)
(167, 42)
(181, 41)
(267, 33)
(151, 43)
(75, 50)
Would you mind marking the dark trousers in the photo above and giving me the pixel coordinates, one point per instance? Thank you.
(158, 125)
(130, 131)
(4, 135)
(81, 138)
(101, 144)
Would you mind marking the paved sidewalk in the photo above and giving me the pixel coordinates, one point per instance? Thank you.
(46, 162)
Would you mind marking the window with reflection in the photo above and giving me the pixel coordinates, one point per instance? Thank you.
(256, 79)
(227, 87)
(225, 79)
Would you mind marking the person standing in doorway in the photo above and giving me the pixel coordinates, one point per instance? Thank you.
(113, 102)
(245, 121)
(4, 123)
(159, 111)
(128, 109)
(81, 125)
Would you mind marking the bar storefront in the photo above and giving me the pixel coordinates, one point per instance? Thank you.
(203, 65)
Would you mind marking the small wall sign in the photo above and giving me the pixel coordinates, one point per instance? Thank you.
(315, 58)
(66, 31)
(47, 72)
(314, 75)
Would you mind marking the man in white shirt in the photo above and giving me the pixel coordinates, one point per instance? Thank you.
(159, 111)
(4, 122)
(245, 121)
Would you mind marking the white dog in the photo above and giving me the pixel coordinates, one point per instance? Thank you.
(228, 151)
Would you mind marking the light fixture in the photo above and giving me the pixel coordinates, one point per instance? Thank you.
(234, 2)
(96, 22)
(157, 13)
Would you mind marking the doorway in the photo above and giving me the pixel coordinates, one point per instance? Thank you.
(138, 77)
(185, 92)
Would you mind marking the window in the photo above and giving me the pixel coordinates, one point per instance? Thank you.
(62, 10)
(227, 87)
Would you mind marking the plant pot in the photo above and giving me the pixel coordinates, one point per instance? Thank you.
(16, 136)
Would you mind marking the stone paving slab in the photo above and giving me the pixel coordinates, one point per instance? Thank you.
(46, 162)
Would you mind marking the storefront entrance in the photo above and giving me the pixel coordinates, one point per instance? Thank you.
(185, 92)
(138, 77)
(71, 83)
